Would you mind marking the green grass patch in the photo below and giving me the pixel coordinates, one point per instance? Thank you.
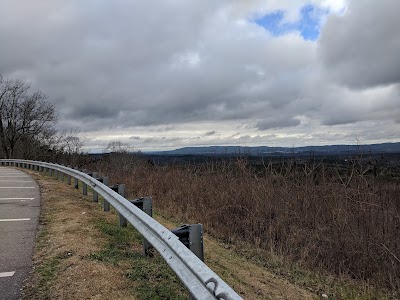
(48, 270)
(152, 277)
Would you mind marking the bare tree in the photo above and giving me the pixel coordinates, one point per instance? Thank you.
(68, 142)
(117, 146)
(73, 144)
(24, 116)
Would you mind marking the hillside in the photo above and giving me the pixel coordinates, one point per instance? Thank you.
(284, 151)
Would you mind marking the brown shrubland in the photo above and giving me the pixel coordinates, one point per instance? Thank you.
(343, 217)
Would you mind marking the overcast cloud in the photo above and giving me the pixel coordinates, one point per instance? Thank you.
(166, 74)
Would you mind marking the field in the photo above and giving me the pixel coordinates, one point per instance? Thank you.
(78, 244)
(338, 217)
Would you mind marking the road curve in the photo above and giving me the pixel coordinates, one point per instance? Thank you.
(19, 214)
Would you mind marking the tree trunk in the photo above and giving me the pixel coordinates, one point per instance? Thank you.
(3, 139)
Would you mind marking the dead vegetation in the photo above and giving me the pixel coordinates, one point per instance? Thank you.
(81, 253)
(67, 235)
(340, 218)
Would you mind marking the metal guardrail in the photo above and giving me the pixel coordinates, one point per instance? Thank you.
(198, 278)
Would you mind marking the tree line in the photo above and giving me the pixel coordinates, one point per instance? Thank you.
(28, 127)
(27, 124)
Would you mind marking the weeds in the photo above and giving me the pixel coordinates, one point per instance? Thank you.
(343, 217)
(152, 277)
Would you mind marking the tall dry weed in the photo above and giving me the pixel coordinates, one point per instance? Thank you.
(343, 217)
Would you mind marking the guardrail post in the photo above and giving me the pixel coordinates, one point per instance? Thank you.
(145, 204)
(84, 188)
(95, 195)
(84, 185)
(192, 237)
(120, 189)
(106, 205)
(121, 220)
(76, 183)
(196, 240)
(69, 177)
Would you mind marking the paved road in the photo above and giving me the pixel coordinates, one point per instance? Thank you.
(19, 213)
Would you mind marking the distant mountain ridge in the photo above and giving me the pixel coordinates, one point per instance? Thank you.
(276, 151)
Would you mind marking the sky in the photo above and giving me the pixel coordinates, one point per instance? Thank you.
(174, 73)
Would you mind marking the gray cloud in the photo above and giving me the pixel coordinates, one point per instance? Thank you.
(360, 49)
(277, 123)
(210, 133)
(125, 69)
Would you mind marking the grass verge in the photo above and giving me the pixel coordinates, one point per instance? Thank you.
(81, 253)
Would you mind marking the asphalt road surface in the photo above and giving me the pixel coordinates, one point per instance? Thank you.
(19, 213)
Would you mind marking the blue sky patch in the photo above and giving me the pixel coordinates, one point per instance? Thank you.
(309, 23)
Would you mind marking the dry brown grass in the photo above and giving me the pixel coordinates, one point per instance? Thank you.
(67, 236)
(250, 280)
(339, 218)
